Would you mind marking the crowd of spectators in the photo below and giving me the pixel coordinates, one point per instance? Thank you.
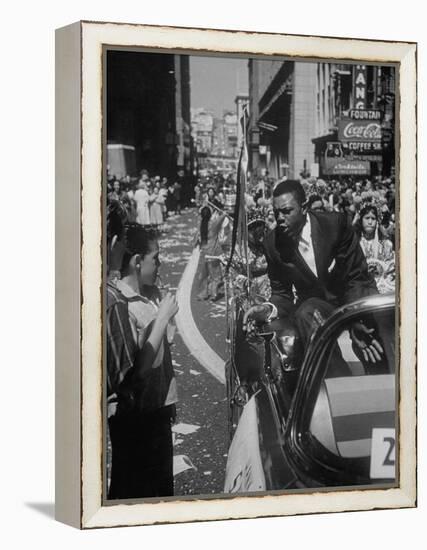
(368, 203)
(346, 195)
(147, 200)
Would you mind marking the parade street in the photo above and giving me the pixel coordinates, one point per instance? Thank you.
(200, 433)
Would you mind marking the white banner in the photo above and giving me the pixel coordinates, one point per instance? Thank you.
(244, 472)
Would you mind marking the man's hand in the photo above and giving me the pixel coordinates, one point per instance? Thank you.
(257, 314)
(365, 344)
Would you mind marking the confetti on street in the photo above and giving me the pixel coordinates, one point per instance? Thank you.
(181, 463)
(185, 429)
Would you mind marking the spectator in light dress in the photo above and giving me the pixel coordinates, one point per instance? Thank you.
(156, 206)
(142, 209)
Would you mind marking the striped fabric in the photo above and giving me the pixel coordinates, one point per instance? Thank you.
(121, 347)
(159, 386)
(358, 405)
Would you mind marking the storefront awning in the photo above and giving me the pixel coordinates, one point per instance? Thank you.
(332, 136)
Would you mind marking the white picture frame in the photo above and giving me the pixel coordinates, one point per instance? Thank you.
(79, 272)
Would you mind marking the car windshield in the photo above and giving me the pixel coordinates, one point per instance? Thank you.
(354, 412)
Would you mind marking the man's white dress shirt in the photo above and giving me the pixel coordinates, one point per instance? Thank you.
(305, 246)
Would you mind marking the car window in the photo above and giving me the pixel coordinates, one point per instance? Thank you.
(354, 412)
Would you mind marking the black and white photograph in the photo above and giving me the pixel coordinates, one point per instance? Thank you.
(251, 253)
(213, 246)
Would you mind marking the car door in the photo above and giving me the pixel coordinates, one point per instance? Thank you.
(342, 424)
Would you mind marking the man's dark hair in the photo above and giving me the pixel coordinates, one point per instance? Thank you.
(290, 186)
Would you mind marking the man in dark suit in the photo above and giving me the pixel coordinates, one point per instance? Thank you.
(315, 264)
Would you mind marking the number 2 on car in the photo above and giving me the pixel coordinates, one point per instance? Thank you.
(383, 453)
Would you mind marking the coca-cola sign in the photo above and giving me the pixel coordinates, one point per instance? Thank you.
(359, 130)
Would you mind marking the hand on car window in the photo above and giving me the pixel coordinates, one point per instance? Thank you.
(365, 345)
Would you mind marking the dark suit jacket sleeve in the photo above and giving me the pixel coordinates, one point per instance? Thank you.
(281, 289)
(351, 270)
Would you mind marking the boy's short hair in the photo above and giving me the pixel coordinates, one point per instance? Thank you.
(137, 241)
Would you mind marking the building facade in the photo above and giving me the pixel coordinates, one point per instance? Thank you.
(148, 111)
(202, 129)
(282, 117)
(215, 141)
(355, 120)
(185, 160)
(230, 131)
(320, 119)
(242, 103)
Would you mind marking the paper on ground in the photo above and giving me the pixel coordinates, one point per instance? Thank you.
(176, 440)
(185, 429)
(181, 463)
